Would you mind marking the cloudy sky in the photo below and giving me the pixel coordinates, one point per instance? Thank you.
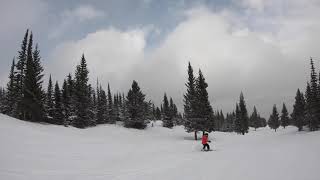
(260, 47)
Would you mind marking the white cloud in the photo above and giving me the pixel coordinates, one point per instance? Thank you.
(71, 17)
(266, 61)
(110, 54)
(83, 13)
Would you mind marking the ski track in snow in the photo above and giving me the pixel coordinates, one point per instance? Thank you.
(36, 152)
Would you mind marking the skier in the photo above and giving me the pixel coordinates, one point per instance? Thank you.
(205, 142)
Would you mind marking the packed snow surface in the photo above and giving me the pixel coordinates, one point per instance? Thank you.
(38, 152)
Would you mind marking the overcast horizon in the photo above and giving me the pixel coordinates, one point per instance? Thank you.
(259, 47)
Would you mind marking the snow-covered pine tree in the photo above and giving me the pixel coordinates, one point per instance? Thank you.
(58, 112)
(33, 96)
(273, 121)
(284, 118)
(82, 95)
(135, 106)
(167, 118)
(298, 115)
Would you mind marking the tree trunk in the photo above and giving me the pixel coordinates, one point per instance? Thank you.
(195, 136)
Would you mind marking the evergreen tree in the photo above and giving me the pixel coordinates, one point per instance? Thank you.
(92, 108)
(124, 110)
(167, 119)
(243, 116)
(102, 114)
(229, 122)
(308, 111)
(82, 95)
(2, 99)
(12, 91)
(263, 121)
(20, 75)
(274, 122)
(58, 113)
(111, 115)
(217, 121)
(147, 113)
(298, 111)
(158, 113)
(190, 103)
(33, 96)
(116, 109)
(38, 71)
(284, 116)
(66, 103)
(135, 106)
(237, 122)
(49, 102)
(174, 112)
(254, 119)
(221, 121)
(204, 112)
(314, 104)
(72, 95)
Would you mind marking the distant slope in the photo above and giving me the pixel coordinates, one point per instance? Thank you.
(37, 152)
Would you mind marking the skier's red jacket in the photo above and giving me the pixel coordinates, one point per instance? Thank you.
(204, 139)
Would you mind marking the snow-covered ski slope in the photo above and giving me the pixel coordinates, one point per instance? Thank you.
(40, 152)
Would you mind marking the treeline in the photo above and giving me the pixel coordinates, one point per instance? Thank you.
(230, 122)
(76, 102)
(79, 104)
(306, 109)
(199, 114)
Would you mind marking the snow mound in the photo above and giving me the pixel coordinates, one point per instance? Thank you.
(37, 152)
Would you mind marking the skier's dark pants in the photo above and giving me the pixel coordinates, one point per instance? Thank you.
(206, 146)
